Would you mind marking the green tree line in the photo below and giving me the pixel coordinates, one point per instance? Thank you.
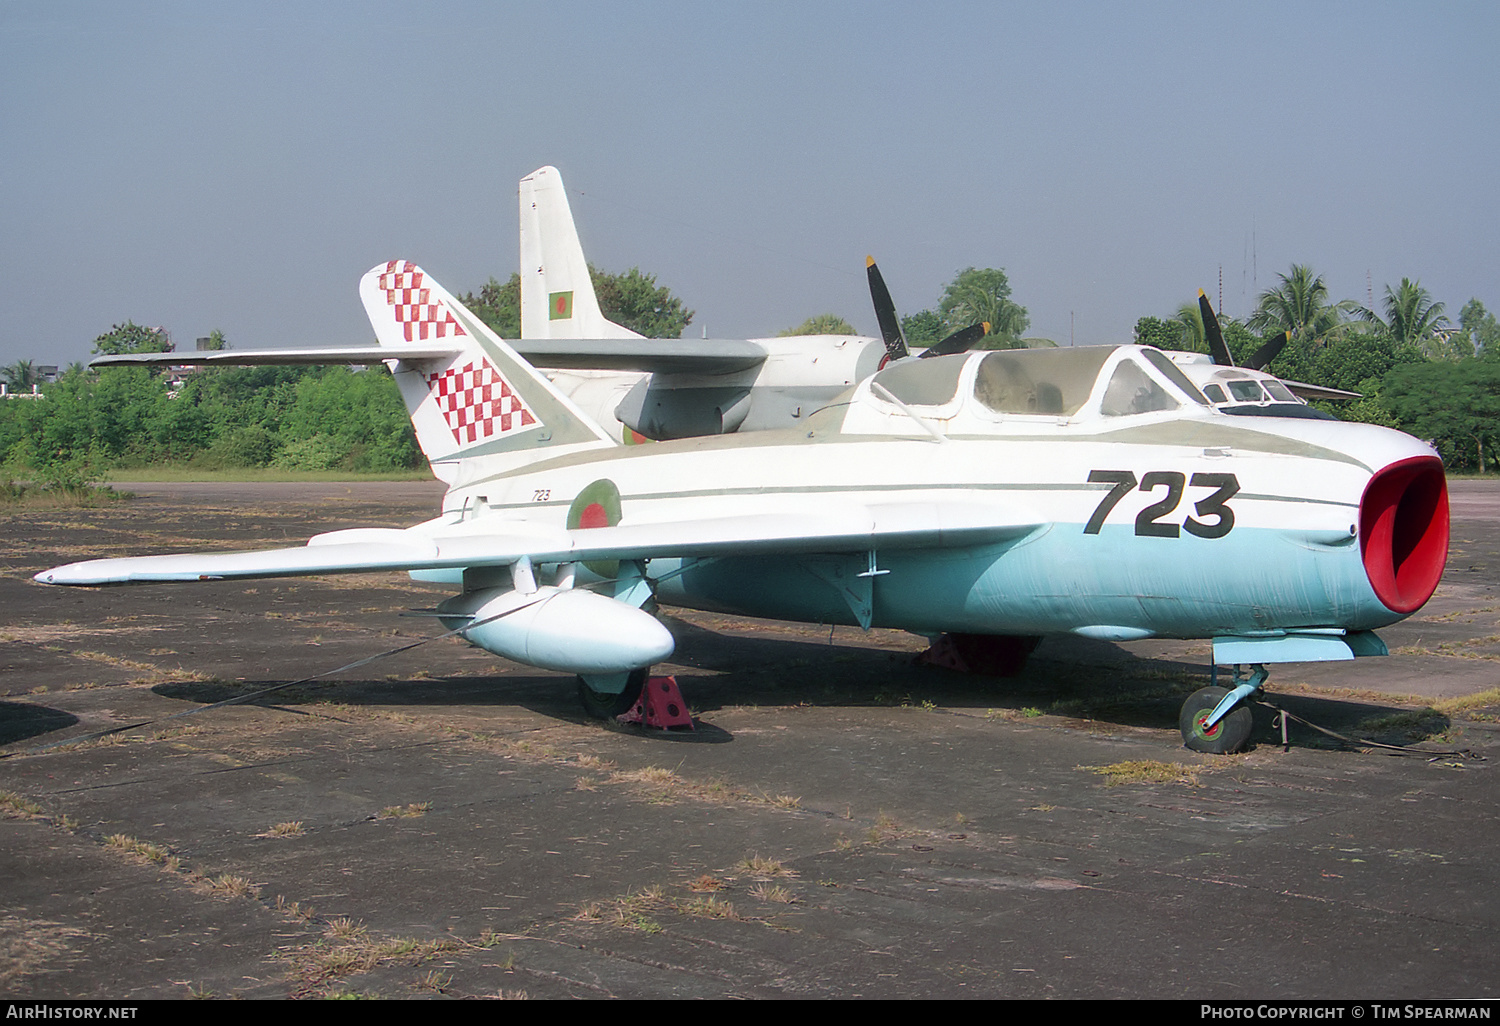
(1416, 369)
(295, 418)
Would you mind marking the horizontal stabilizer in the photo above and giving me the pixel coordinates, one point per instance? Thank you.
(477, 543)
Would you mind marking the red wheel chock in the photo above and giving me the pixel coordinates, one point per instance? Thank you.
(660, 706)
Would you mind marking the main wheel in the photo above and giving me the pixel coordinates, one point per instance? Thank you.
(994, 655)
(1223, 738)
(604, 706)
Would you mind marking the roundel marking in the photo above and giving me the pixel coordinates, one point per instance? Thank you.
(597, 505)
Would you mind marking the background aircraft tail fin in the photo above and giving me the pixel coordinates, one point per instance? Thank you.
(478, 398)
(557, 294)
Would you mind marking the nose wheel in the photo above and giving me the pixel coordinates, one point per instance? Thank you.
(1217, 720)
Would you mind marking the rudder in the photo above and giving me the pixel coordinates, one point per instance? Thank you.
(479, 398)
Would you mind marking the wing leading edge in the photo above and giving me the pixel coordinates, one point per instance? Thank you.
(477, 544)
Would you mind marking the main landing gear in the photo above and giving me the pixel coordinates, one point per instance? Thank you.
(1217, 720)
(604, 705)
(644, 701)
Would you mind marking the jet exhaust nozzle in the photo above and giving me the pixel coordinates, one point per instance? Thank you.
(1403, 531)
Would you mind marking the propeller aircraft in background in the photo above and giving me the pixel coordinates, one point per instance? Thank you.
(660, 389)
(997, 496)
(1248, 390)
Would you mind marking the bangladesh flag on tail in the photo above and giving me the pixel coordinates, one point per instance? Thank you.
(560, 306)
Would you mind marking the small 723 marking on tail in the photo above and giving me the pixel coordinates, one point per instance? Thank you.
(1148, 522)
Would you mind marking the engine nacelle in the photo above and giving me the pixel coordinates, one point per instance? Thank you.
(568, 630)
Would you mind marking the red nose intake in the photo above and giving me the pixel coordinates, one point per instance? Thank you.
(1403, 531)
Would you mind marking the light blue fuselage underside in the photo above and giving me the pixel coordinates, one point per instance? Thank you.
(1054, 581)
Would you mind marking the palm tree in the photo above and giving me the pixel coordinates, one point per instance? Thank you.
(1194, 339)
(1411, 316)
(1298, 305)
(20, 376)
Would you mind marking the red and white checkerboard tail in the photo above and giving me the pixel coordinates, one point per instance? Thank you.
(476, 396)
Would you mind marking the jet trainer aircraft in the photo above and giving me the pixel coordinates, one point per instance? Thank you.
(1008, 494)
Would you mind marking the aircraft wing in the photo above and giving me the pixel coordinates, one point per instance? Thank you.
(477, 544)
(1306, 391)
(277, 357)
(647, 355)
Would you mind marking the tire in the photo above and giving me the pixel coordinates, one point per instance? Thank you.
(602, 705)
(995, 655)
(1228, 736)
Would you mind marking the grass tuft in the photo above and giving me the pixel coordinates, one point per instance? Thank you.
(1145, 771)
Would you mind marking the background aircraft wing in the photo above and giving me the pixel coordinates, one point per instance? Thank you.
(647, 355)
(277, 357)
(475, 543)
(1306, 391)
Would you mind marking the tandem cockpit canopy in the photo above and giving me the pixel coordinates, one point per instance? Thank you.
(1050, 385)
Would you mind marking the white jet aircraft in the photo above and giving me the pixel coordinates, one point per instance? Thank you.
(640, 388)
(1009, 494)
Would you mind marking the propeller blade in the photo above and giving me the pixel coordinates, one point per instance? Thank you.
(960, 341)
(885, 313)
(1211, 331)
(1268, 352)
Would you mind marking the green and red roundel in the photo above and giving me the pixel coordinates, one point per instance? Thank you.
(598, 505)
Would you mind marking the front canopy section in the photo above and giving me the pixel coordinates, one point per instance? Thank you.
(1020, 390)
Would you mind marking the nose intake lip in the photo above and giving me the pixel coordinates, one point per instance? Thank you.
(1403, 531)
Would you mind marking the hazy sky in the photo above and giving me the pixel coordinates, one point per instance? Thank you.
(240, 166)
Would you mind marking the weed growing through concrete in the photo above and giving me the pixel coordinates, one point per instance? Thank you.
(771, 892)
(142, 851)
(227, 885)
(765, 869)
(348, 948)
(293, 828)
(15, 807)
(1145, 771)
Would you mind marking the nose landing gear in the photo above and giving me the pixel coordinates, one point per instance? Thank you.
(1218, 721)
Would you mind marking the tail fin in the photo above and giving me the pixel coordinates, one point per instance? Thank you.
(478, 399)
(557, 294)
